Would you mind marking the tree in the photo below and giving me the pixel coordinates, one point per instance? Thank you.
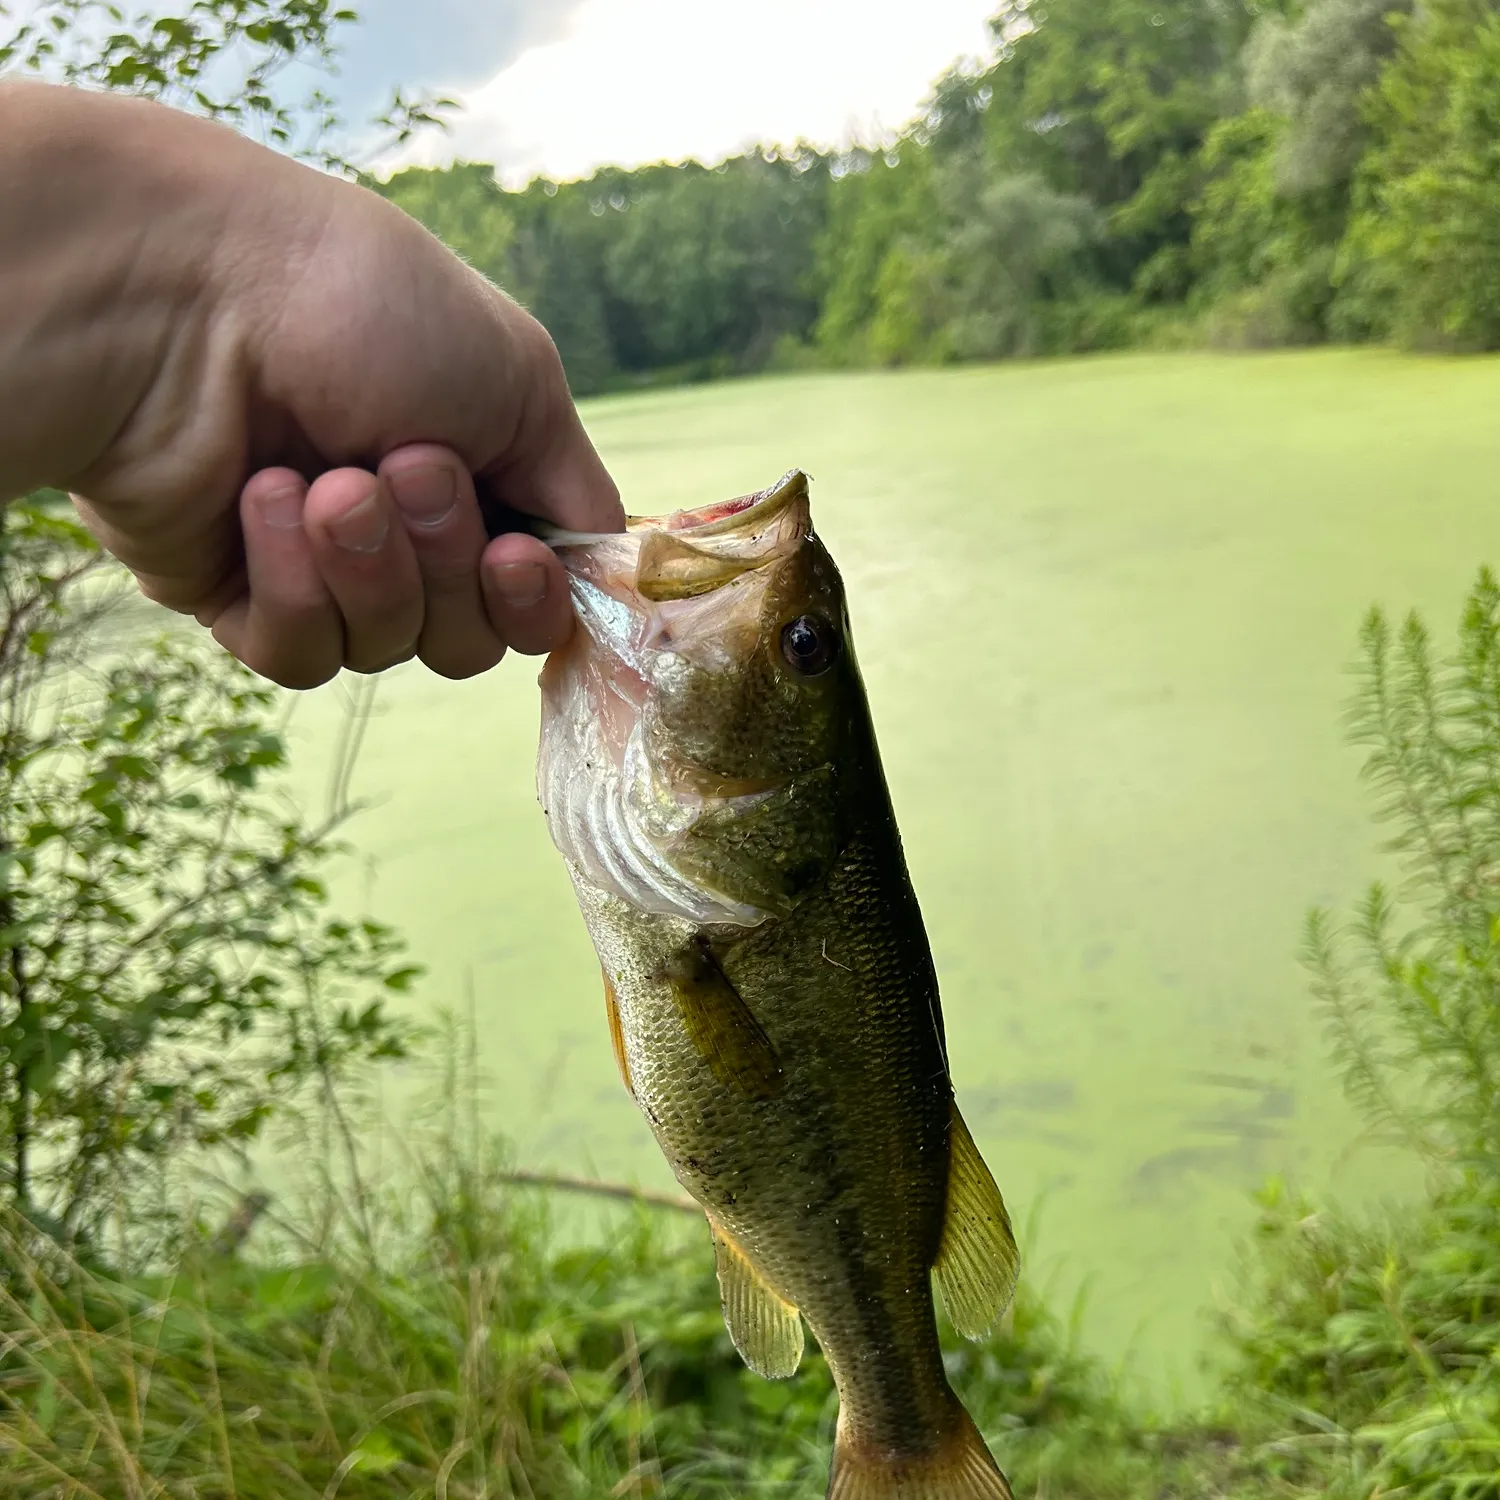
(1262, 261)
(1315, 70)
(713, 263)
(557, 271)
(1422, 258)
(1110, 100)
(882, 219)
(1020, 246)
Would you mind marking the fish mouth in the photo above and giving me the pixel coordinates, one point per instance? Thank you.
(721, 524)
(747, 514)
(679, 583)
(674, 593)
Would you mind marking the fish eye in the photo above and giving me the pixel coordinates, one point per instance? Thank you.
(810, 645)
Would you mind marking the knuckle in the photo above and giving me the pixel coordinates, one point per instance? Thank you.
(458, 664)
(302, 679)
(450, 566)
(296, 671)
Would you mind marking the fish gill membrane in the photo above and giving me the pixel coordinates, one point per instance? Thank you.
(710, 775)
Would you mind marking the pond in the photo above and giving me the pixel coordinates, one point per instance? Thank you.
(1104, 609)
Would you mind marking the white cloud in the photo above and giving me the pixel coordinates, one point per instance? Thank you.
(646, 80)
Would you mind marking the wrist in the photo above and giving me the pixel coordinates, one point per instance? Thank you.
(106, 236)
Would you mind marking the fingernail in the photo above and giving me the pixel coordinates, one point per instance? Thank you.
(282, 509)
(363, 527)
(426, 496)
(520, 584)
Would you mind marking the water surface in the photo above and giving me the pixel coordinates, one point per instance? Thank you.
(1103, 609)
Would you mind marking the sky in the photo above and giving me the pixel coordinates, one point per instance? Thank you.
(558, 87)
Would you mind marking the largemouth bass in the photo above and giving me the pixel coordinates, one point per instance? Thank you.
(709, 771)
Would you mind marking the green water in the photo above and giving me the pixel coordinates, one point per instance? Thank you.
(1103, 609)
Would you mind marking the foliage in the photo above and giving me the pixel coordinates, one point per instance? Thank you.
(1020, 251)
(1263, 266)
(1369, 1348)
(1110, 100)
(229, 60)
(713, 262)
(1423, 256)
(1415, 1012)
(166, 969)
(1276, 171)
(880, 208)
(1313, 71)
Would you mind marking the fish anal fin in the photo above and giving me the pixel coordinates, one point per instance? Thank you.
(977, 1262)
(766, 1329)
(617, 1034)
(727, 1036)
(959, 1469)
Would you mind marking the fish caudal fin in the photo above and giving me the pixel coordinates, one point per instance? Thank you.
(766, 1330)
(977, 1261)
(961, 1469)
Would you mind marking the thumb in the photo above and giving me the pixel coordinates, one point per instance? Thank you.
(551, 468)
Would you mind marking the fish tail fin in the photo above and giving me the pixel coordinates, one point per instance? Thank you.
(961, 1469)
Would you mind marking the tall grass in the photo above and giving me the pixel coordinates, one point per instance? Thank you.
(408, 1321)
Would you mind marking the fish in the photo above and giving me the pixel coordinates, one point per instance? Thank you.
(709, 772)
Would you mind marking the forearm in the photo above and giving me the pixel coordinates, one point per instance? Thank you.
(106, 234)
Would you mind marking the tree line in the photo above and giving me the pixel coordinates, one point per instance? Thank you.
(1124, 172)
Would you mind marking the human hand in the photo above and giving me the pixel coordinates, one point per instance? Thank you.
(303, 391)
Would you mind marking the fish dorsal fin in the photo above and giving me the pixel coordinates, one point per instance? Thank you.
(727, 1036)
(765, 1329)
(977, 1261)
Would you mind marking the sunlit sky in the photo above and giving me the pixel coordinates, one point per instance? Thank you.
(557, 87)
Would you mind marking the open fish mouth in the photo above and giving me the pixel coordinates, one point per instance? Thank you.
(659, 560)
(721, 518)
(671, 594)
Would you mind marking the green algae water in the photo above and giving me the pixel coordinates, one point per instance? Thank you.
(1103, 608)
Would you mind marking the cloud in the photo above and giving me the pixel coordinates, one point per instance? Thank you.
(632, 81)
(437, 44)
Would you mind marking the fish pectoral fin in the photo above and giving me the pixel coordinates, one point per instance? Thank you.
(766, 1329)
(718, 1021)
(977, 1261)
(617, 1033)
